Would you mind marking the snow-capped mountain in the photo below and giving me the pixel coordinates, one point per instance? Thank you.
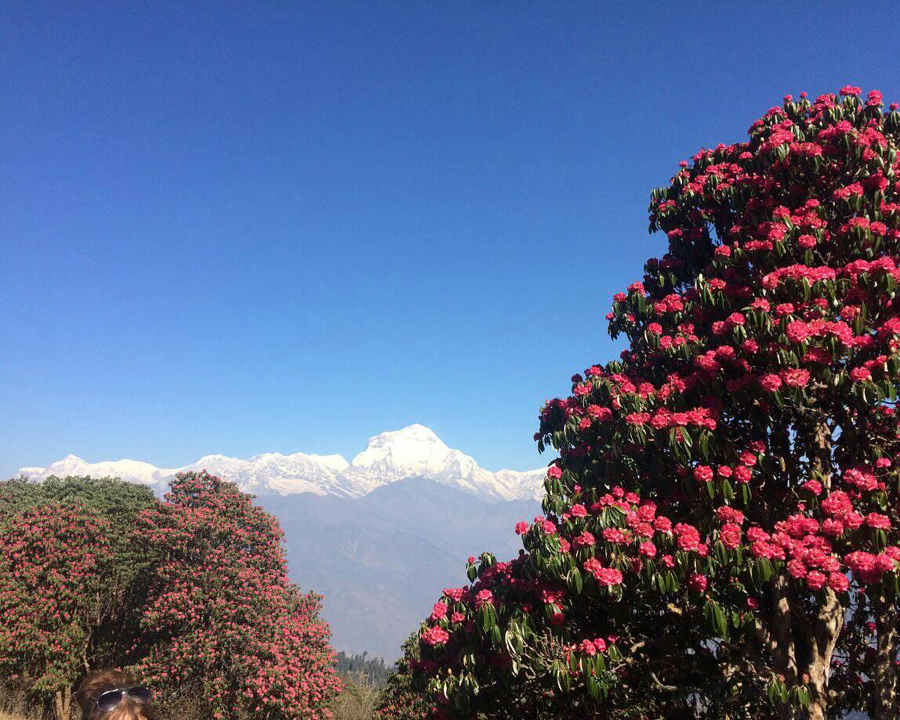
(130, 470)
(414, 451)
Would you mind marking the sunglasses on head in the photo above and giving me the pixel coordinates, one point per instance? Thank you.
(111, 699)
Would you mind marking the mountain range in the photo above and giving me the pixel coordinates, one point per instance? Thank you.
(380, 536)
(414, 451)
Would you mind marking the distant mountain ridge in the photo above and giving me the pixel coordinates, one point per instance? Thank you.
(413, 451)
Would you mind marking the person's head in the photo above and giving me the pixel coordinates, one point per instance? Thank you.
(114, 695)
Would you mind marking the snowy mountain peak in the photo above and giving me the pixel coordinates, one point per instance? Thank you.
(212, 460)
(413, 451)
(413, 448)
(338, 463)
(411, 433)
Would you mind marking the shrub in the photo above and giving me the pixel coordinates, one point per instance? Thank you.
(116, 503)
(721, 523)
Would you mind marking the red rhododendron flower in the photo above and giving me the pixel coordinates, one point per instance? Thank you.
(731, 535)
(435, 636)
(697, 582)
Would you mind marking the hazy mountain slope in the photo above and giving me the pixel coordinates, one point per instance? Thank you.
(381, 561)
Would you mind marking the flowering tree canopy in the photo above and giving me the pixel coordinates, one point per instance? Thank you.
(222, 625)
(721, 523)
(190, 594)
(53, 561)
(69, 577)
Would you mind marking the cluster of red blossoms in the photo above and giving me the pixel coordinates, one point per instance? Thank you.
(742, 449)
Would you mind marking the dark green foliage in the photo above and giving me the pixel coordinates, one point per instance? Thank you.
(118, 502)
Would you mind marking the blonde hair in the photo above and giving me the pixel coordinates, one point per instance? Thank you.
(97, 683)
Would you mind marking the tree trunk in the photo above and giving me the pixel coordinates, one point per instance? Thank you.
(63, 704)
(828, 625)
(886, 707)
(782, 640)
(822, 452)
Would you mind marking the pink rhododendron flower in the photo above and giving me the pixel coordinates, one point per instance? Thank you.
(438, 611)
(578, 511)
(435, 636)
(730, 535)
(483, 597)
(697, 583)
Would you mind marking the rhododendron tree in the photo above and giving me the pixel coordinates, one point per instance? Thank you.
(223, 627)
(54, 560)
(721, 523)
(117, 503)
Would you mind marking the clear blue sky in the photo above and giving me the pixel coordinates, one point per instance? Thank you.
(284, 226)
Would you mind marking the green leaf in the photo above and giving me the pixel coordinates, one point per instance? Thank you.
(563, 681)
(575, 581)
(727, 490)
(721, 622)
(487, 617)
(765, 569)
(721, 553)
(513, 641)
(703, 444)
(495, 635)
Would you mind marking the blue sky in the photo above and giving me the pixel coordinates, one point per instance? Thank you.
(286, 226)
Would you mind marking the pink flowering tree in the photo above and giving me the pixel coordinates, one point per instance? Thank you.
(223, 628)
(721, 531)
(55, 560)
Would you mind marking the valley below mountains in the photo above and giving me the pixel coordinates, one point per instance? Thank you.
(381, 561)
